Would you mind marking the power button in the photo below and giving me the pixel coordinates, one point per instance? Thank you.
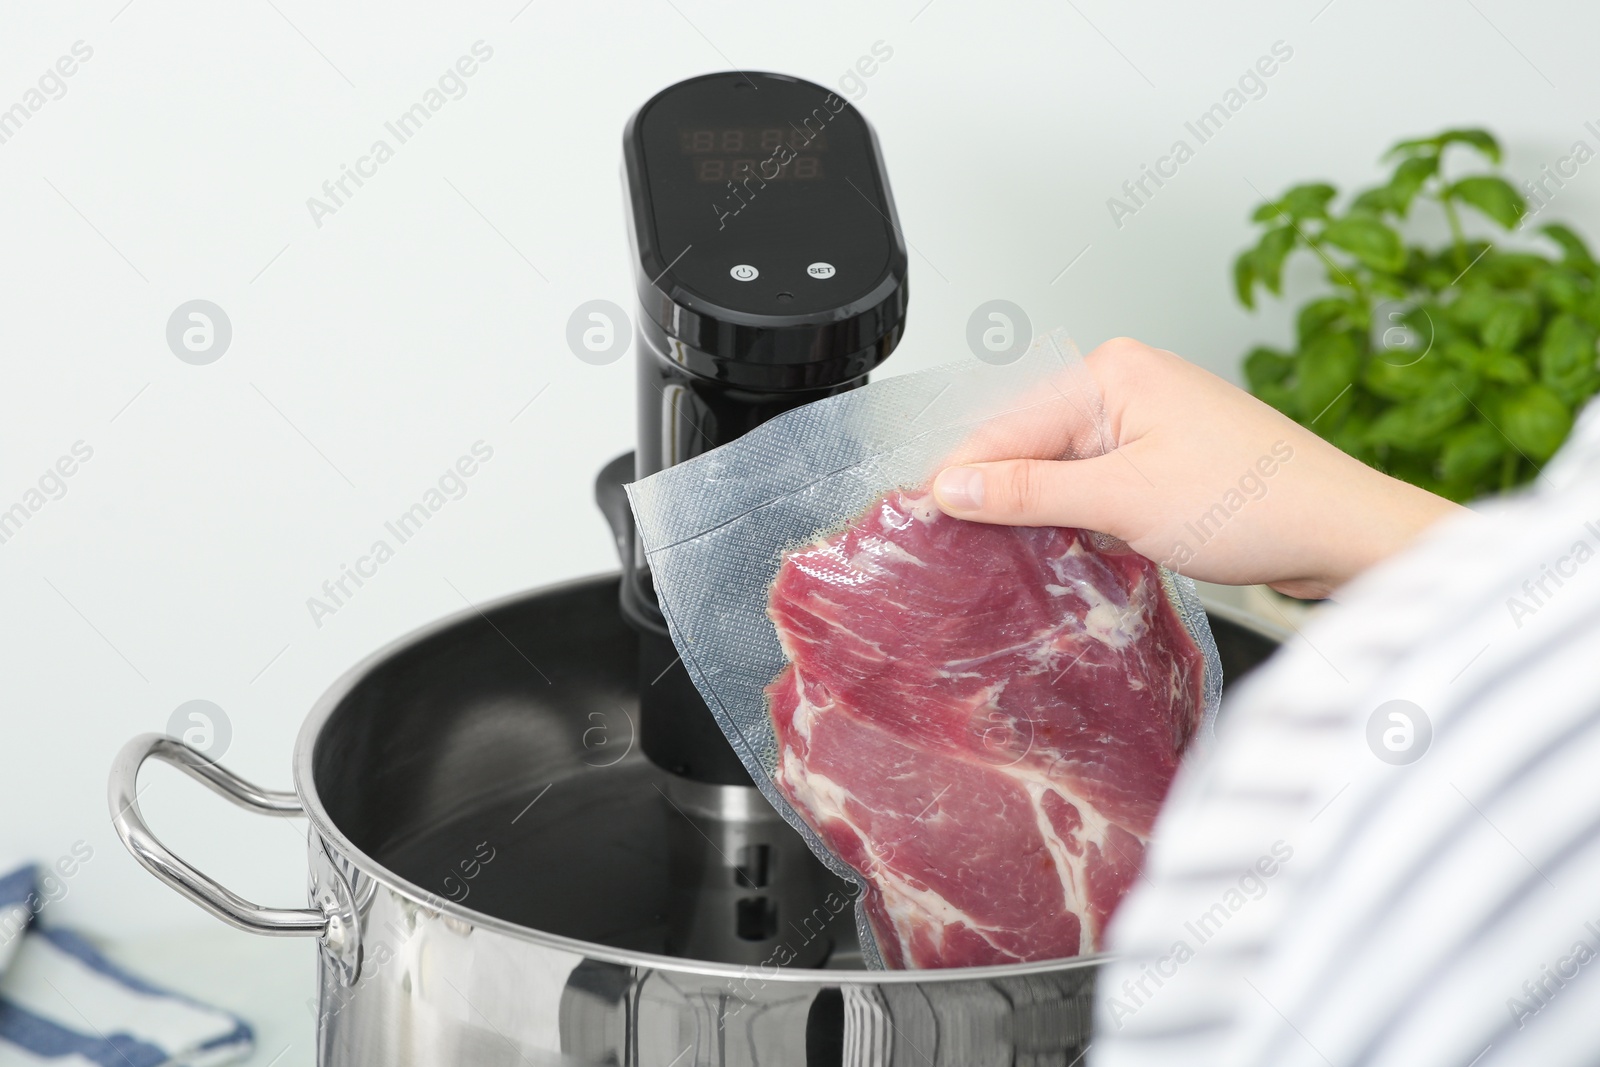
(744, 272)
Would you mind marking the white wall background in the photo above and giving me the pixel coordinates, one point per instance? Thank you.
(370, 353)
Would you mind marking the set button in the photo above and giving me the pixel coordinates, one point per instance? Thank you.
(744, 272)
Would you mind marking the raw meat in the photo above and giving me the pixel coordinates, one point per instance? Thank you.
(983, 721)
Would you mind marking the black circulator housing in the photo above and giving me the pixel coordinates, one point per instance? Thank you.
(770, 272)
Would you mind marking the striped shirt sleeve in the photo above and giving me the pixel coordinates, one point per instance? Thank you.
(1391, 855)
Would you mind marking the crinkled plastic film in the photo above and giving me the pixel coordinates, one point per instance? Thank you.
(716, 528)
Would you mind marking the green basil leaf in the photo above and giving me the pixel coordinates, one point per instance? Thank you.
(1403, 335)
(1473, 306)
(1387, 286)
(1511, 270)
(1326, 367)
(1307, 201)
(1469, 450)
(1567, 357)
(1566, 289)
(1268, 212)
(1493, 196)
(1417, 468)
(1536, 421)
(1330, 314)
(1574, 252)
(1375, 201)
(1482, 140)
(1349, 434)
(1415, 146)
(1444, 330)
(1502, 367)
(1439, 272)
(1416, 425)
(1500, 320)
(1415, 270)
(1244, 278)
(1408, 180)
(1275, 246)
(1346, 277)
(1474, 364)
(1401, 376)
(1280, 397)
(1266, 366)
(1368, 240)
(1513, 318)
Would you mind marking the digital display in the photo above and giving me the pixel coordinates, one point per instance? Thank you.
(722, 176)
(769, 153)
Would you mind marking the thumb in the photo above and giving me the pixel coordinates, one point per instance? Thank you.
(1086, 493)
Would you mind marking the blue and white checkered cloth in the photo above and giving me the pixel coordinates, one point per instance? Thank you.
(63, 1004)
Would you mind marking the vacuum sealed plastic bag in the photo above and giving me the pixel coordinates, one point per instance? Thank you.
(974, 724)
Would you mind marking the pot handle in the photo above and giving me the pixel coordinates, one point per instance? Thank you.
(226, 905)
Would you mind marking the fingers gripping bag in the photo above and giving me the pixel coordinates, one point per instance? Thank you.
(974, 724)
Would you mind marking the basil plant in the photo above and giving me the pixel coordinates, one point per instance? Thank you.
(1458, 368)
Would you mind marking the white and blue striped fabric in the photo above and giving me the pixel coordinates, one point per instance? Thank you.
(64, 1004)
(15, 910)
(1391, 858)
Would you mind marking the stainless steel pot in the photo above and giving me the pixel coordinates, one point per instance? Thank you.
(491, 879)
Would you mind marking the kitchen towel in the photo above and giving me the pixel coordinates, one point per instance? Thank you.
(63, 1003)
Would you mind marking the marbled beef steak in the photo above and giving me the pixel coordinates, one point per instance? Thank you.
(983, 721)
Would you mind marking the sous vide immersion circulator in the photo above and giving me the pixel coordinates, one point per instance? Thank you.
(770, 272)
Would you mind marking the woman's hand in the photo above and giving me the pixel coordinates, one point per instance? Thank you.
(1207, 480)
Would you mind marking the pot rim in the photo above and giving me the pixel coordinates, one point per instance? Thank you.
(325, 827)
